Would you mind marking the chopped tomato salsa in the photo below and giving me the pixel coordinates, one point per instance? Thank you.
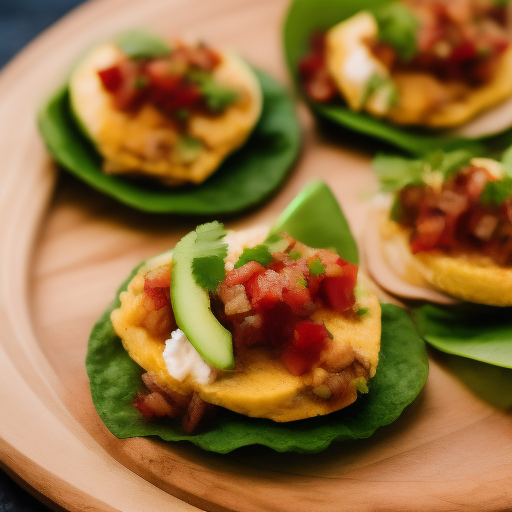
(455, 218)
(455, 40)
(172, 84)
(276, 301)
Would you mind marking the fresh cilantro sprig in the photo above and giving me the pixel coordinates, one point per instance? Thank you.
(398, 27)
(506, 161)
(216, 96)
(496, 192)
(396, 172)
(209, 252)
(259, 253)
(139, 44)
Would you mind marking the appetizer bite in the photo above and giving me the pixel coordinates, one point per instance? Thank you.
(266, 328)
(139, 116)
(172, 112)
(427, 63)
(449, 227)
(275, 330)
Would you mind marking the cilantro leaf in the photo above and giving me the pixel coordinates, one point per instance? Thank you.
(496, 192)
(139, 44)
(398, 27)
(208, 272)
(216, 96)
(210, 240)
(384, 86)
(209, 251)
(395, 172)
(316, 267)
(259, 253)
(506, 161)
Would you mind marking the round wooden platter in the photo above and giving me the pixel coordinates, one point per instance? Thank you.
(65, 249)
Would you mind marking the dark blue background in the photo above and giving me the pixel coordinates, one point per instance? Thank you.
(20, 22)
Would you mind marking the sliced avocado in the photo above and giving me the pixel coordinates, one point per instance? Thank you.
(191, 306)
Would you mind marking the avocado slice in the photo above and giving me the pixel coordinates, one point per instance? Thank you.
(191, 306)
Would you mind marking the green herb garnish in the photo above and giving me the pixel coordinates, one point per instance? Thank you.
(139, 44)
(398, 27)
(216, 96)
(188, 148)
(396, 172)
(382, 85)
(209, 252)
(506, 161)
(316, 267)
(259, 253)
(295, 255)
(496, 192)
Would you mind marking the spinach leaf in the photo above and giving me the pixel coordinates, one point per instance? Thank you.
(304, 17)
(402, 371)
(246, 178)
(482, 333)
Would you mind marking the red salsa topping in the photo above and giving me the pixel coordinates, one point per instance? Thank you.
(272, 304)
(455, 40)
(174, 84)
(455, 218)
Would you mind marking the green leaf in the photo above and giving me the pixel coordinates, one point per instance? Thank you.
(139, 44)
(496, 192)
(316, 267)
(259, 253)
(188, 148)
(506, 161)
(398, 27)
(402, 371)
(217, 97)
(307, 16)
(210, 240)
(208, 272)
(246, 178)
(208, 255)
(315, 218)
(481, 333)
(396, 172)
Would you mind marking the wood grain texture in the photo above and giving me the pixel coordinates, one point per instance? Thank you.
(63, 255)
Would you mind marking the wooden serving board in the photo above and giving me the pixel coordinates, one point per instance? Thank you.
(64, 250)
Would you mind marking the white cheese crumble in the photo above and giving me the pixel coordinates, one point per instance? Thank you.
(183, 360)
(359, 66)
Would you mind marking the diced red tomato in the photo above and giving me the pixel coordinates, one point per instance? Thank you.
(339, 292)
(111, 78)
(264, 289)
(310, 337)
(244, 273)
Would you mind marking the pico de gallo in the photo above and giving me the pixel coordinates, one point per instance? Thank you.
(176, 84)
(460, 40)
(266, 301)
(470, 212)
